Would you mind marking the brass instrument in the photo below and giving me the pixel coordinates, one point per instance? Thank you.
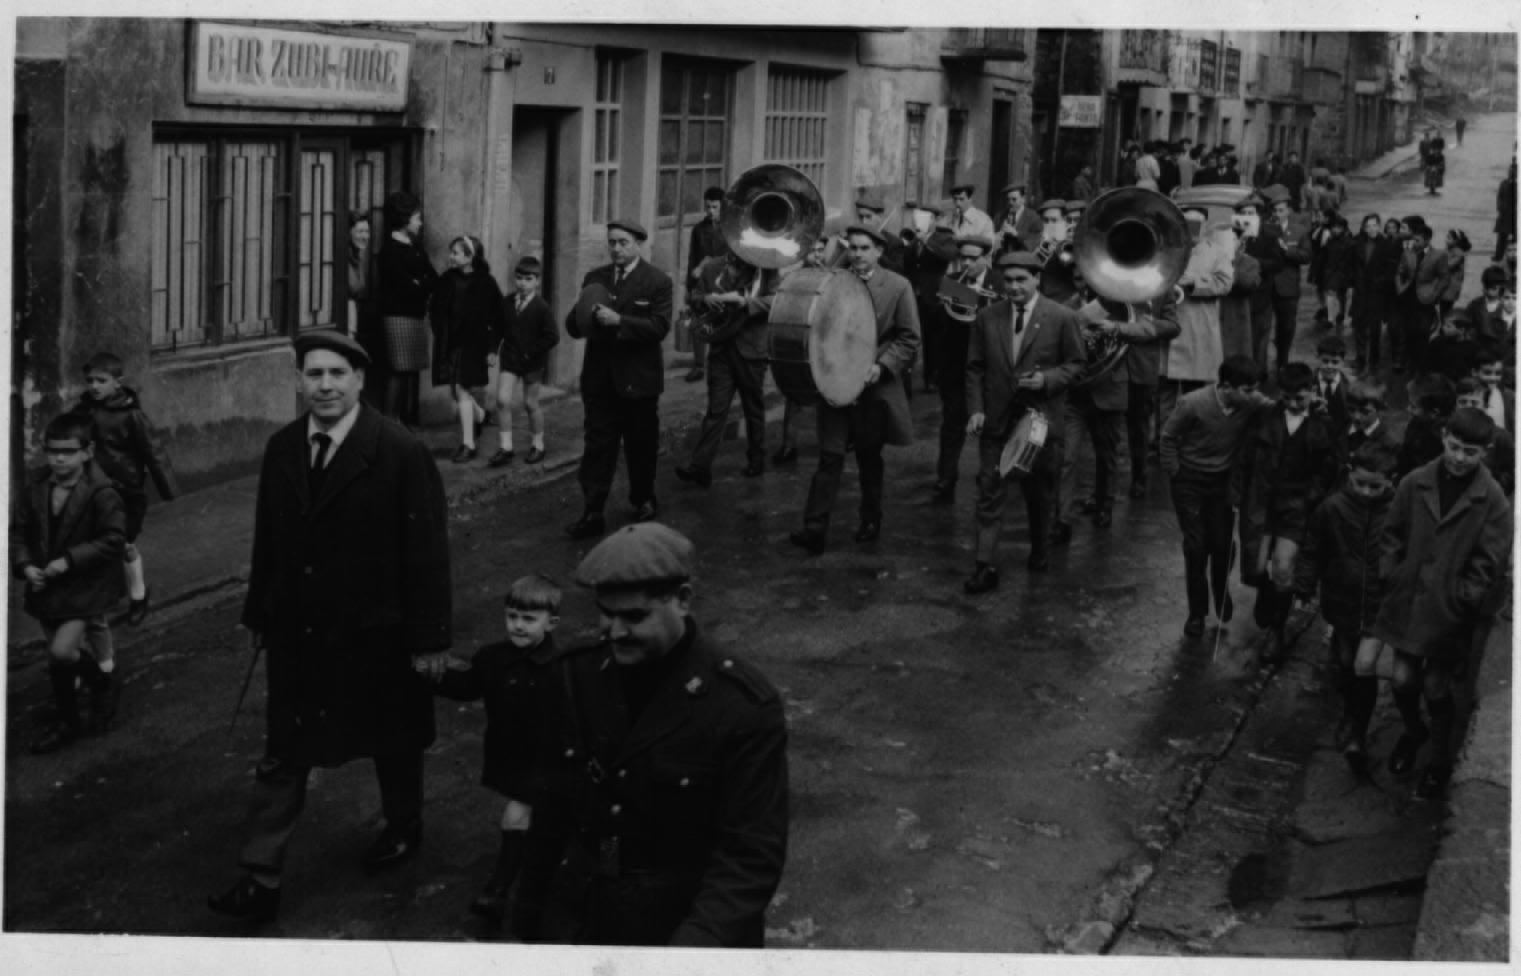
(1132, 246)
(771, 216)
(962, 301)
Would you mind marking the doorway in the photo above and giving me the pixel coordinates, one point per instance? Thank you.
(541, 206)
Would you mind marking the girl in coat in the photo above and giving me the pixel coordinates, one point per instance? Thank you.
(466, 313)
(1374, 258)
(404, 278)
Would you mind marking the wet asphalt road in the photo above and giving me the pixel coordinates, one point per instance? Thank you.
(966, 772)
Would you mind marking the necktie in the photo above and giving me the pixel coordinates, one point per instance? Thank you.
(618, 278)
(319, 462)
(1019, 319)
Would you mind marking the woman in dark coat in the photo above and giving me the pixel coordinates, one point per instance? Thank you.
(466, 315)
(1374, 259)
(404, 280)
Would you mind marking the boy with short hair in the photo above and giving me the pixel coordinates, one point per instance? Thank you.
(1431, 399)
(1486, 311)
(528, 333)
(127, 449)
(1501, 457)
(1340, 555)
(1453, 351)
(519, 680)
(68, 527)
(1445, 544)
(1330, 381)
(1364, 424)
(1287, 466)
(1497, 401)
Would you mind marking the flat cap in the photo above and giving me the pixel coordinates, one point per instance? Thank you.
(335, 341)
(1251, 200)
(982, 242)
(1052, 205)
(1020, 259)
(1076, 206)
(1276, 194)
(645, 552)
(875, 235)
(871, 201)
(528, 265)
(632, 226)
(1012, 187)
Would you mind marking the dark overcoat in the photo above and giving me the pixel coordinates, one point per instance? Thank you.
(92, 531)
(880, 414)
(677, 821)
(626, 360)
(466, 314)
(345, 588)
(1339, 557)
(127, 447)
(1052, 342)
(1278, 480)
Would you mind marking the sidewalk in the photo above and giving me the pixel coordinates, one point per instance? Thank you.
(199, 543)
(1400, 156)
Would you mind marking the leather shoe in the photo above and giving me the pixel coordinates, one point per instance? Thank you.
(869, 532)
(501, 458)
(535, 455)
(1061, 533)
(587, 526)
(784, 455)
(1193, 627)
(754, 469)
(137, 610)
(648, 511)
(984, 578)
(247, 900)
(943, 493)
(1405, 750)
(701, 477)
(1038, 562)
(462, 454)
(394, 845)
(813, 542)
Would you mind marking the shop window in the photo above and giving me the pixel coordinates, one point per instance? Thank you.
(693, 141)
(607, 142)
(797, 120)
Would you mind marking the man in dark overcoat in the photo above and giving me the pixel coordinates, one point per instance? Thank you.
(349, 596)
(880, 414)
(622, 376)
(672, 814)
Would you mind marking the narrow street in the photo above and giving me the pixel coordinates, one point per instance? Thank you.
(1034, 770)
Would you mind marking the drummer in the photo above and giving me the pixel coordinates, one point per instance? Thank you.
(1044, 343)
(971, 271)
(879, 415)
(869, 210)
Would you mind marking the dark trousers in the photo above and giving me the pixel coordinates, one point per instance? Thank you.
(699, 351)
(1202, 503)
(825, 487)
(1416, 321)
(1103, 428)
(1039, 488)
(1285, 321)
(1262, 331)
(1140, 412)
(953, 419)
(730, 373)
(633, 422)
(1367, 329)
(280, 796)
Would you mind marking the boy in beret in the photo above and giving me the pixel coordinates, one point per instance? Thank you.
(674, 813)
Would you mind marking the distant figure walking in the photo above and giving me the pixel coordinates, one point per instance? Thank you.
(1461, 125)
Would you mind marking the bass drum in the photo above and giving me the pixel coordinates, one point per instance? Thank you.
(822, 336)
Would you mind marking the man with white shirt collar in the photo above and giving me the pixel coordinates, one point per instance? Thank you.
(349, 593)
(968, 221)
(1022, 355)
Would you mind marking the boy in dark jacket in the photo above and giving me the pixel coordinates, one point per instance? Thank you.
(1288, 465)
(1446, 543)
(519, 680)
(1432, 399)
(528, 333)
(128, 451)
(1365, 400)
(1501, 456)
(1340, 556)
(1330, 381)
(1453, 351)
(67, 531)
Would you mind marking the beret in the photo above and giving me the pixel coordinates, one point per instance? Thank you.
(1076, 206)
(632, 226)
(981, 242)
(645, 552)
(529, 265)
(1020, 259)
(1014, 186)
(871, 201)
(335, 341)
(875, 235)
(1052, 205)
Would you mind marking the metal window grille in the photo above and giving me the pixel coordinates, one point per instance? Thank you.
(797, 120)
(913, 153)
(179, 309)
(315, 221)
(244, 209)
(955, 134)
(607, 118)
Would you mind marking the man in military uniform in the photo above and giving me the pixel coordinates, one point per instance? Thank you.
(673, 818)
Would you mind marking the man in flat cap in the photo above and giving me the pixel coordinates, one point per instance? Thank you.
(1261, 242)
(672, 811)
(1055, 251)
(622, 376)
(880, 414)
(349, 596)
(1023, 354)
(955, 319)
(870, 209)
(929, 248)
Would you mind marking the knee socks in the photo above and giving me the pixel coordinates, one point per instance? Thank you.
(137, 586)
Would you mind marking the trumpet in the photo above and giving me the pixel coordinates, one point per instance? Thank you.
(1047, 247)
(961, 299)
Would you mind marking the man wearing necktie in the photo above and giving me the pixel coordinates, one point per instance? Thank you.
(349, 594)
(954, 325)
(880, 414)
(1022, 353)
(622, 377)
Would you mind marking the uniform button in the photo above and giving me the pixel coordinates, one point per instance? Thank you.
(617, 809)
(623, 774)
(570, 753)
(685, 781)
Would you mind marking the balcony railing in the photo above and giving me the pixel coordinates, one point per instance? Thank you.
(989, 43)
